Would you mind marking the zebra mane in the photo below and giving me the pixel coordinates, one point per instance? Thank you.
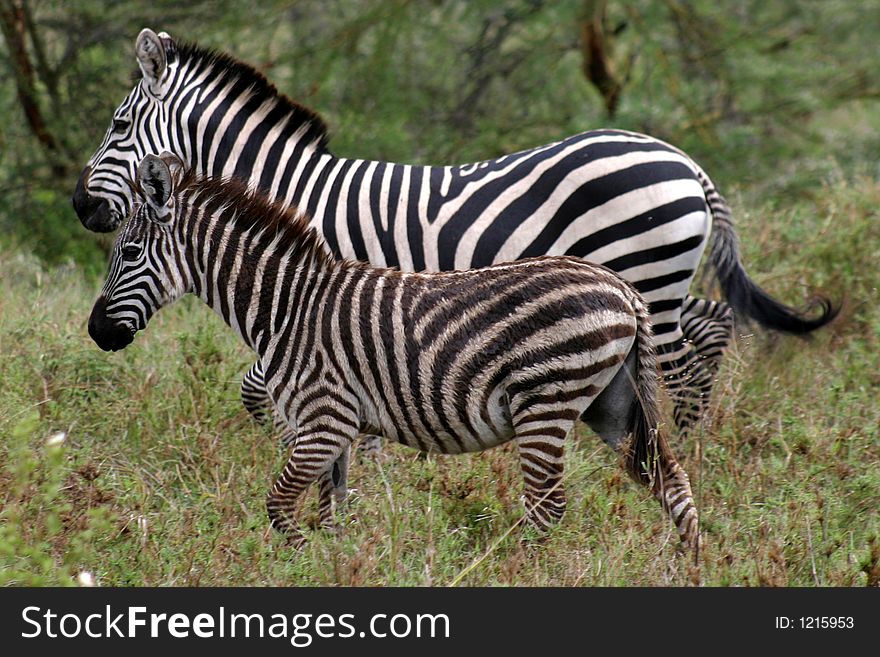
(286, 229)
(198, 59)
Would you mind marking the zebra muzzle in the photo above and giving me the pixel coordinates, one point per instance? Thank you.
(94, 213)
(108, 334)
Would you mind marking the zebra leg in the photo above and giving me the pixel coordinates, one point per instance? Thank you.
(707, 327)
(258, 403)
(618, 415)
(540, 438)
(677, 362)
(313, 455)
(332, 490)
(254, 396)
(651, 462)
(671, 487)
(337, 476)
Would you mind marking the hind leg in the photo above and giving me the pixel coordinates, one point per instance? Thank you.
(331, 482)
(542, 468)
(654, 464)
(708, 326)
(673, 490)
(708, 329)
(370, 446)
(619, 415)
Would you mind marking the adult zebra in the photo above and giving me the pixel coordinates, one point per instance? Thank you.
(625, 200)
(446, 362)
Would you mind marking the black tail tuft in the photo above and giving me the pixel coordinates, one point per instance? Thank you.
(746, 298)
(749, 300)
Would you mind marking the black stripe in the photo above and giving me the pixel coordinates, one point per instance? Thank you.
(319, 183)
(273, 157)
(637, 225)
(232, 136)
(307, 171)
(389, 245)
(331, 208)
(352, 211)
(373, 348)
(215, 167)
(601, 190)
(286, 177)
(662, 305)
(374, 185)
(561, 376)
(655, 254)
(650, 284)
(245, 166)
(413, 222)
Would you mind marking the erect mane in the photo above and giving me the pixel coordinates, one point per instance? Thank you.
(248, 210)
(227, 67)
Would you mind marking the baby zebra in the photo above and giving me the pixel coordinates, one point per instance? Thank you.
(443, 362)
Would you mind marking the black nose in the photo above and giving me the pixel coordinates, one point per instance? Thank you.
(107, 334)
(94, 213)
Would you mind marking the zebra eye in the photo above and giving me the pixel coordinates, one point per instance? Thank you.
(130, 251)
(121, 125)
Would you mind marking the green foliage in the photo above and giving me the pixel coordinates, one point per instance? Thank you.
(43, 542)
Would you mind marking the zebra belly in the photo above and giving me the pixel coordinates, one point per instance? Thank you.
(427, 430)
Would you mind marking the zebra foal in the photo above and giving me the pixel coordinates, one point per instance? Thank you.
(443, 362)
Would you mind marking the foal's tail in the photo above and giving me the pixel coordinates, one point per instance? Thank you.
(649, 459)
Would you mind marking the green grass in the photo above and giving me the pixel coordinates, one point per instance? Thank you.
(162, 477)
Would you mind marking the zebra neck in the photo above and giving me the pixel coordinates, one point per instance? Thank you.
(243, 277)
(283, 162)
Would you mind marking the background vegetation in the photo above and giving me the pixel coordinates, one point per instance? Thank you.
(161, 477)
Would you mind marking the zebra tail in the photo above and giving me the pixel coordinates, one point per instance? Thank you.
(741, 292)
(645, 436)
(649, 458)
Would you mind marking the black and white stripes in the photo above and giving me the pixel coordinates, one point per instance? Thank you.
(443, 362)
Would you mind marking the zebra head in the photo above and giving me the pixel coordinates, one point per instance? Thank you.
(145, 271)
(103, 194)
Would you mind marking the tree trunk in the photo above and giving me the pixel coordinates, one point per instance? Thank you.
(598, 66)
(13, 25)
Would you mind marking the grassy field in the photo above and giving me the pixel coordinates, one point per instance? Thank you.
(162, 477)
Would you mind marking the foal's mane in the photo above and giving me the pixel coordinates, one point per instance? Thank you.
(249, 211)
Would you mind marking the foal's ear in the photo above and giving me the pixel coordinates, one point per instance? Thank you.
(156, 181)
(151, 58)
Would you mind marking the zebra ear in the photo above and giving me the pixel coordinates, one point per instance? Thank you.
(151, 58)
(174, 163)
(154, 178)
